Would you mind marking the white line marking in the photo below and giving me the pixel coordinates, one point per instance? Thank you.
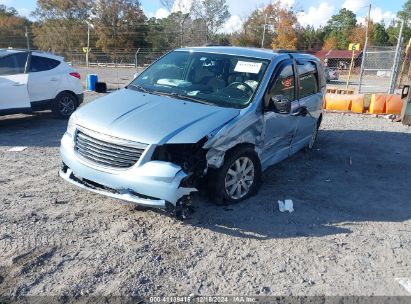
(405, 282)
(17, 149)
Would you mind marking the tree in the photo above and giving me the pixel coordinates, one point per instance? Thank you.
(379, 35)
(393, 32)
(340, 28)
(309, 38)
(285, 35)
(213, 13)
(63, 9)
(330, 43)
(183, 11)
(405, 13)
(164, 33)
(280, 28)
(119, 24)
(60, 26)
(7, 11)
(358, 34)
(394, 28)
(12, 33)
(252, 31)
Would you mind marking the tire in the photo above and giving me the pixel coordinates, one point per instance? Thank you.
(314, 136)
(64, 105)
(241, 169)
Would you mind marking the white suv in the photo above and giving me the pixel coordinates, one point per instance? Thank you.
(32, 81)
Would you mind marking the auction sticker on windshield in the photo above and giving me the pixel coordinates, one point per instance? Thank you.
(248, 67)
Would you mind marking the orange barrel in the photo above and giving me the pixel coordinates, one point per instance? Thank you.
(338, 102)
(357, 103)
(378, 103)
(393, 104)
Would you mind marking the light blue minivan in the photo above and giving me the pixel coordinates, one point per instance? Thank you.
(209, 118)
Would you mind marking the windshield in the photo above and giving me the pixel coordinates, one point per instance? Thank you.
(218, 79)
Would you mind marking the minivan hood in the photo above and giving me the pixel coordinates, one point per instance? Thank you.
(152, 119)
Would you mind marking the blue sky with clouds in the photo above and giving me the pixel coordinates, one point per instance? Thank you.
(313, 12)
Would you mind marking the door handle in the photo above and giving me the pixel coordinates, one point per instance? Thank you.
(18, 84)
(54, 79)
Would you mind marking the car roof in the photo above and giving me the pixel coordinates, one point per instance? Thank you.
(4, 52)
(267, 54)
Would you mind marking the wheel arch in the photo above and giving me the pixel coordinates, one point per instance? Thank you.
(216, 157)
(216, 175)
(68, 92)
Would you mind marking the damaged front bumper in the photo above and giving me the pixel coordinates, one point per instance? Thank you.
(149, 184)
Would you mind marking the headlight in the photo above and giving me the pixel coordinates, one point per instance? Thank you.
(71, 126)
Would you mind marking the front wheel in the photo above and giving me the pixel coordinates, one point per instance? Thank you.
(64, 105)
(238, 178)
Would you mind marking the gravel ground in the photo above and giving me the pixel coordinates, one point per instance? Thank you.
(350, 233)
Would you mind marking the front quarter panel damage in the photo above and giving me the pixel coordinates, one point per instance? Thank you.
(245, 129)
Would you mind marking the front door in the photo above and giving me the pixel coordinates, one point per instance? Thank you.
(310, 96)
(279, 129)
(13, 82)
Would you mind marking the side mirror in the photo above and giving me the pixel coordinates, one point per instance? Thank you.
(280, 104)
(405, 91)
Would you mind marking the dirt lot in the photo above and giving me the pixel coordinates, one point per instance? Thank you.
(350, 233)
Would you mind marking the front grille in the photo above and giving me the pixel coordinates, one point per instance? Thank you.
(105, 152)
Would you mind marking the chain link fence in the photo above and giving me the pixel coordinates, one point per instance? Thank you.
(382, 66)
(342, 68)
(114, 58)
(380, 69)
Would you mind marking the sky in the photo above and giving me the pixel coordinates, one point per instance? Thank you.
(312, 12)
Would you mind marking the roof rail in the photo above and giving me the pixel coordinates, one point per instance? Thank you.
(286, 51)
(215, 44)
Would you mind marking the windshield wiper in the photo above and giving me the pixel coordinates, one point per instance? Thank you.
(139, 87)
(184, 97)
(175, 95)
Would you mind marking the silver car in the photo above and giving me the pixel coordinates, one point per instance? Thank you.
(209, 118)
(331, 74)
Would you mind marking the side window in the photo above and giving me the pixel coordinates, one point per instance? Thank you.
(40, 64)
(13, 64)
(307, 73)
(285, 83)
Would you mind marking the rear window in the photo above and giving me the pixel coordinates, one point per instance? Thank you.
(307, 72)
(13, 64)
(40, 64)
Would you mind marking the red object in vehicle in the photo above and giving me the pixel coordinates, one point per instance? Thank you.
(75, 74)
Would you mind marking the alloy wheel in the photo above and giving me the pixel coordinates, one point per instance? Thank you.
(239, 178)
(66, 105)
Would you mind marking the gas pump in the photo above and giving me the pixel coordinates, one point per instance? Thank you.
(406, 107)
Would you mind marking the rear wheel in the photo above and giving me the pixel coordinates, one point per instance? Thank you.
(64, 105)
(238, 178)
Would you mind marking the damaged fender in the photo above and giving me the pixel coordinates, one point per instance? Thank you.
(232, 135)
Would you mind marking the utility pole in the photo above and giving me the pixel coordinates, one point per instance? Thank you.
(88, 42)
(89, 25)
(27, 38)
(364, 51)
(265, 25)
